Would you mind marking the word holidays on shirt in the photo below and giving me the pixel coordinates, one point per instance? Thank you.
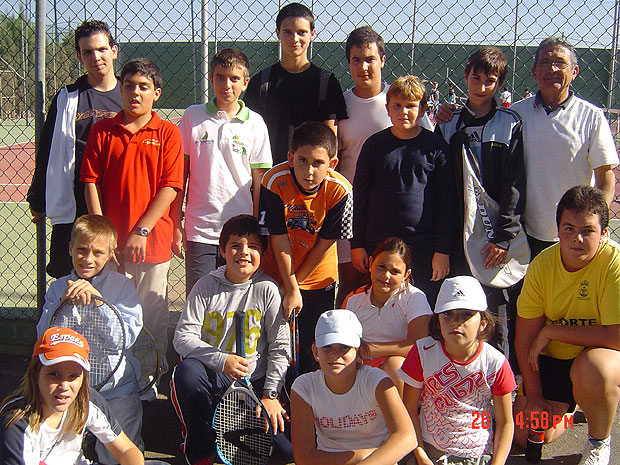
(347, 421)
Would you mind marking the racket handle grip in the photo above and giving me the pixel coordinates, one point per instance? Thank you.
(240, 332)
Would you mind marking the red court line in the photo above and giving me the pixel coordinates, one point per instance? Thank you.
(16, 167)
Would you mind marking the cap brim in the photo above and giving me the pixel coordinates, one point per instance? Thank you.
(460, 305)
(65, 358)
(337, 338)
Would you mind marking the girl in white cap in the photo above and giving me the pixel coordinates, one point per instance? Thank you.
(44, 421)
(346, 412)
(460, 382)
(393, 313)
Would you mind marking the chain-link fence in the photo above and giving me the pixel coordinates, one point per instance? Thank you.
(431, 39)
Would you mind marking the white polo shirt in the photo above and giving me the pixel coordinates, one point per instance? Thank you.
(391, 322)
(222, 152)
(561, 150)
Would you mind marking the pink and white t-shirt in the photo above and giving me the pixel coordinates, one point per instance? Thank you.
(455, 395)
(349, 421)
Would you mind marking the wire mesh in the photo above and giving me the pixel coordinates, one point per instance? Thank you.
(431, 39)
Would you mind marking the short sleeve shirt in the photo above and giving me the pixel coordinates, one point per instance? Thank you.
(293, 99)
(285, 208)
(586, 297)
(561, 149)
(390, 322)
(222, 153)
(349, 421)
(23, 446)
(130, 170)
(453, 392)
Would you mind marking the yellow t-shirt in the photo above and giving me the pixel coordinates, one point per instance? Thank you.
(587, 297)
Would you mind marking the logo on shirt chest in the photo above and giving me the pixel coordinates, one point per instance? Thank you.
(584, 290)
(303, 222)
(238, 146)
(474, 138)
(448, 384)
(298, 217)
(154, 142)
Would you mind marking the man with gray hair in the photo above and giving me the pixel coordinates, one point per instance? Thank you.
(567, 141)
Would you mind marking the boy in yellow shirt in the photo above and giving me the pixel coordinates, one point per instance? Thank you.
(568, 326)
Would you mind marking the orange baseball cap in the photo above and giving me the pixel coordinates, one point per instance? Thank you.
(60, 345)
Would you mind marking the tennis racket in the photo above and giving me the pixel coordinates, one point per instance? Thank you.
(242, 437)
(146, 352)
(294, 344)
(101, 324)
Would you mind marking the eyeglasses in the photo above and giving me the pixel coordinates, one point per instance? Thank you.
(554, 64)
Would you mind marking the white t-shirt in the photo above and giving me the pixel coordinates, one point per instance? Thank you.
(561, 150)
(505, 97)
(345, 422)
(456, 394)
(22, 445)
(222, 152)
(389, 323)
(366, 116)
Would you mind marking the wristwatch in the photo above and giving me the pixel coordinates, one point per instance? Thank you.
(270, 394)
(141, 231)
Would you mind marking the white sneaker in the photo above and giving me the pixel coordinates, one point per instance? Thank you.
(596, 455)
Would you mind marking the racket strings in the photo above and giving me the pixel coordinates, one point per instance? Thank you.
(145, 351)
(241, 436)
(104, 332)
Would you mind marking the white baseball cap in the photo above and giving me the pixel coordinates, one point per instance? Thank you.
(461, 292)
(338, 327)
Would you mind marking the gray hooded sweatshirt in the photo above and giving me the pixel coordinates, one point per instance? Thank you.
(206, 329)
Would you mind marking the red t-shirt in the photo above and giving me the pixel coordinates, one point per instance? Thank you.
(130, 170)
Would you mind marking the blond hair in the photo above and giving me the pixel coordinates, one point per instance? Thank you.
(95, 227)
(25, 401)
(408, 87)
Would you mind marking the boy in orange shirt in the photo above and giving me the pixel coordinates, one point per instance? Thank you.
(304, 207)
(133, 170)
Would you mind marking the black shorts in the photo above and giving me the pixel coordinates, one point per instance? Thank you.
(555, 380)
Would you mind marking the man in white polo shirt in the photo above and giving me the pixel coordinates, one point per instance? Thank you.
(567, 141)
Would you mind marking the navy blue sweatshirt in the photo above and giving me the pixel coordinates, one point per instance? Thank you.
(405, 188)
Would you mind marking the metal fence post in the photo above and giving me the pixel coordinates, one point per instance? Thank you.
(39, 116)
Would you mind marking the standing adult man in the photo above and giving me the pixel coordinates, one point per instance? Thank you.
(567, 141)
(71, 115)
